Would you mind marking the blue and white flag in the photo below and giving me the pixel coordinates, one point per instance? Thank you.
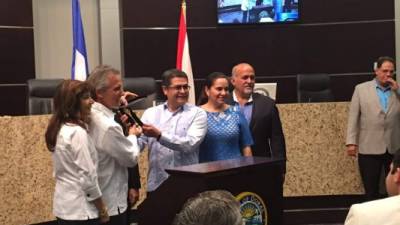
(79, 70)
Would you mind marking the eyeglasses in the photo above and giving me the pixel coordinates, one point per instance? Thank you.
(180, 87)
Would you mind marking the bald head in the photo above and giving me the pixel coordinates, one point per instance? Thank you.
(242, 67)
(243, 79)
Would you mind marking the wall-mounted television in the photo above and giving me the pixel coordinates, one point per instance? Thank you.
(257, 11)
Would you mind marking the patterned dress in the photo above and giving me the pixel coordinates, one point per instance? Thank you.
(227, 134)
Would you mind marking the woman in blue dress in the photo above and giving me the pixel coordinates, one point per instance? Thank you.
(228, 134)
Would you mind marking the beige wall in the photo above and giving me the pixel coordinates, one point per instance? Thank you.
(110, 33)
(53, 36)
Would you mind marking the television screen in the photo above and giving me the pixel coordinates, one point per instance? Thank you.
(257, 11)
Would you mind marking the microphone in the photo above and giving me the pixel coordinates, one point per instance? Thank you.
(127, 110)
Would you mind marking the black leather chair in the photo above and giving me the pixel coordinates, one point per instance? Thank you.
(40, 95)
(145, 87)
(314, 88)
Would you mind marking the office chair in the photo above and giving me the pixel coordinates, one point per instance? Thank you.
(314, 88)
(40, 95)
(145, 87)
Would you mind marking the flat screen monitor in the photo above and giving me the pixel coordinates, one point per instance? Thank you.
(257, 11)
(267, 89)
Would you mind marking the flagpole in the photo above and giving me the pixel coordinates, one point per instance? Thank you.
(183, 61)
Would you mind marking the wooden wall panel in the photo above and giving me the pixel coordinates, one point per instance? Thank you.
(328, 11)
(165, 13)
(287, 50)
(16, 13)
(342, 38)
(346, 48)
(17, 57)
(12, 100)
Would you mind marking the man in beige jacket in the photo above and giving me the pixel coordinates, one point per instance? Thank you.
(373, 131)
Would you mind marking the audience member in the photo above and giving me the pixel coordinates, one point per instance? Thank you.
(261, 114)
(173, 130)
(228, 134)
(217, 207)
(373, 128)
(77, 196)
(384, 211)
(116, 151)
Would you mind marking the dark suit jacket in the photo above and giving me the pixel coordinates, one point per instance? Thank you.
(266, 128)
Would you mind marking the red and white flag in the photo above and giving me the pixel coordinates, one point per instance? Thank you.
(182, 57)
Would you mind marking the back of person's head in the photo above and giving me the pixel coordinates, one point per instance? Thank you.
(98, 78)
(384, 59)
(67, 107)
(210, 79)
(168, 75)
(217, 207)
(67, 98)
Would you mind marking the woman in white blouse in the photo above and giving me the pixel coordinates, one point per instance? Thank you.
(77, 196)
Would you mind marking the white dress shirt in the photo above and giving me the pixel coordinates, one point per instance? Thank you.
(181, 134)
(74, 160)
(116, 152)
(379, 212)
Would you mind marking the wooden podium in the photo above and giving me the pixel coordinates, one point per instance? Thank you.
(242, 176)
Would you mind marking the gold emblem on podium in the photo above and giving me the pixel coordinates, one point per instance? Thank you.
(253, 209)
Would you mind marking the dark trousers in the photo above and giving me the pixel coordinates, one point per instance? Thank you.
(120, 219)
(371, 167)
(78, 222)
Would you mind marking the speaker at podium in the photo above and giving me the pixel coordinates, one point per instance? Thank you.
(256, 182)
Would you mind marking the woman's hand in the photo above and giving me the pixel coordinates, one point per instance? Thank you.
(103, 215)
(247, 151)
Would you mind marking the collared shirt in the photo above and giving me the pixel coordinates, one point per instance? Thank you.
(181, 134)
(383, 95)
(74, 160)
(246, 109)
(116, 152)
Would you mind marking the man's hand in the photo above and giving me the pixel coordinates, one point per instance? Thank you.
(393, 84)
(123, 120)
(133, 196)
(126, 97)
(135, 130)
(151, 131)
(352, 150)
(104, 217)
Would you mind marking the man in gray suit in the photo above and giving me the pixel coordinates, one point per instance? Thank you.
(373, 131)
(383, 211)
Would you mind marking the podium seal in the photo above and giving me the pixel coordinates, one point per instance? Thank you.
(253, 209)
